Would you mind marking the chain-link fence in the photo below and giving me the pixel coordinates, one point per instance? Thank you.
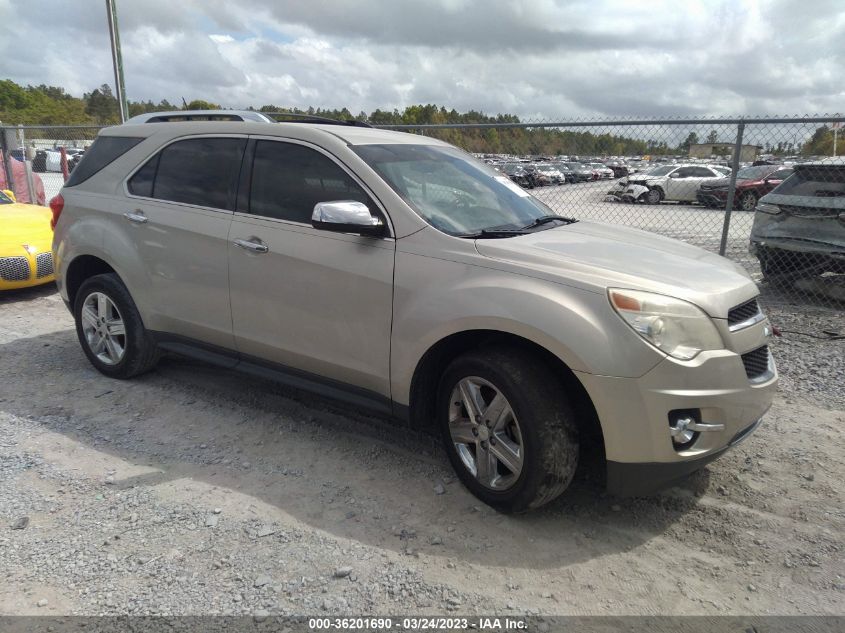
(715, 183)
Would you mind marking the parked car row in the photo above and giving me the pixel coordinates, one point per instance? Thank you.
(51, 159)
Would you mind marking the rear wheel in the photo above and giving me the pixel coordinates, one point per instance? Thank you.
(509, 431)
(110, 329)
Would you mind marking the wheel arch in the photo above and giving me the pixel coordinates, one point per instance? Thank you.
(429, 369)
(81, 268)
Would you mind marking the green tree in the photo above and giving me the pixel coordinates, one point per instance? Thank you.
(691, 139)
(712, 137)
(101, 105)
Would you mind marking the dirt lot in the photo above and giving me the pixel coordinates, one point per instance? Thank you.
(193, 490)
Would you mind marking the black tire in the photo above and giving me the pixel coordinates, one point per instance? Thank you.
(547, 425)
(654, 196)
(747, 201)
(140, 351)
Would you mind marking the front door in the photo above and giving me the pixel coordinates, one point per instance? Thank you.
(307, 299)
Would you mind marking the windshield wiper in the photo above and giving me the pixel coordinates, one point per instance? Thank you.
(546, 219)
(493, 233)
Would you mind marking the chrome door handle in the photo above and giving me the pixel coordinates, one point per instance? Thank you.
(255, 247)
(136, 216)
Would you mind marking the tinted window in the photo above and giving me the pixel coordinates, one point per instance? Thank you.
(289, 179)
(102, 152)
(200, 171)
(141, 184)
(701, 172)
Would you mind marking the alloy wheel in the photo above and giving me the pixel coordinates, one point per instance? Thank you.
(486, 433)
(103, 327)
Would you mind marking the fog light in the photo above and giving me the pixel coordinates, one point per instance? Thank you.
(681, 432)
(685, 427)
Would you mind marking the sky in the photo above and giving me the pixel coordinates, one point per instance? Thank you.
(539, 59)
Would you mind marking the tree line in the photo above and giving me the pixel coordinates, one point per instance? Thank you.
(52, 105)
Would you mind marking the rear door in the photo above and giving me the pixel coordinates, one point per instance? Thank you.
(310, 300)
(178, 215)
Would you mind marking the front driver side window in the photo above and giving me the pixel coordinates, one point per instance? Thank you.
(289, 179)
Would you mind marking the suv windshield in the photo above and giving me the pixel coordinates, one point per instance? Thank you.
(452, 191)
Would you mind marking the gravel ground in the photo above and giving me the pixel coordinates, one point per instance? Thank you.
(193, 490)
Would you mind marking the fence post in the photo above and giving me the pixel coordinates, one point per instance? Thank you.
(729, 205)
(7, 158)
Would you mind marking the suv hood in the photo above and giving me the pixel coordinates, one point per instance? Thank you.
(598, 256)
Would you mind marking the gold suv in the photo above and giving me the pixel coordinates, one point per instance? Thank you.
(397, 273)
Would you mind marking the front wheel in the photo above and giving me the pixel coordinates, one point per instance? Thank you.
(508, 430)
(747, 201)
(654, 196)
(110, 329)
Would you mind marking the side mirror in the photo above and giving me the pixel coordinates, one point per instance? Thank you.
(10, 194)
(674, 174)
(347, 216)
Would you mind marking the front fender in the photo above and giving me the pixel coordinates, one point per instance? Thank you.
(435, 298)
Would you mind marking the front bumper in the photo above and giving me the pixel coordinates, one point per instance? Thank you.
(634, 412)
(713, 197)
(635, 480)
(22, 269)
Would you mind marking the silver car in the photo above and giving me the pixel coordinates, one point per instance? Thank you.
(397, 273)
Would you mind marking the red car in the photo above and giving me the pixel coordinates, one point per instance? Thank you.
(751, 184)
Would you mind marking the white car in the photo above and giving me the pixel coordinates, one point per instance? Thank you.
(671, 182)
(53, 160)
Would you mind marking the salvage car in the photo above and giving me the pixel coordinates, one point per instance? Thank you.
(397, 273)
(752, 183)
(800, 226)
(518, 174)
(670, 182)
(26, 257)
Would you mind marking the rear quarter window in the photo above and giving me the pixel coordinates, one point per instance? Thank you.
(103, 151)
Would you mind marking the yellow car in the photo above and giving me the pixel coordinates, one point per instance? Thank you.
(26, 241)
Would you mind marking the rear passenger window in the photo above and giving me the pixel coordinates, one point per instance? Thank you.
(289, 179)
(199, 171)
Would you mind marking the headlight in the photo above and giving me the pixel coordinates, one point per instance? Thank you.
(673, 326)
(765, 207)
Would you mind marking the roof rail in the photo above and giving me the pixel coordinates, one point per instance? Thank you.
(201, 115)
(298, 117)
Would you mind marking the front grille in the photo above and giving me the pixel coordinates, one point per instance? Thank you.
(43, 265)
(806, 212)
(14, 268)
(756, 362)
(743, 312)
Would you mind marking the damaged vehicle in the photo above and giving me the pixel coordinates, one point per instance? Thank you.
(678, 183)
(800, 225)
(752, 183)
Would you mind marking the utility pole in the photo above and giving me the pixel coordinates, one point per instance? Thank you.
(117, 60)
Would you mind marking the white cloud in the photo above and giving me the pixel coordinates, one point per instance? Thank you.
(535, 58)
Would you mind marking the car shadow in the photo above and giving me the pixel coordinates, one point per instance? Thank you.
(343, 472)
(27, 294)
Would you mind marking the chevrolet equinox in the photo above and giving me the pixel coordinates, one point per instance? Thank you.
(395, 272)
